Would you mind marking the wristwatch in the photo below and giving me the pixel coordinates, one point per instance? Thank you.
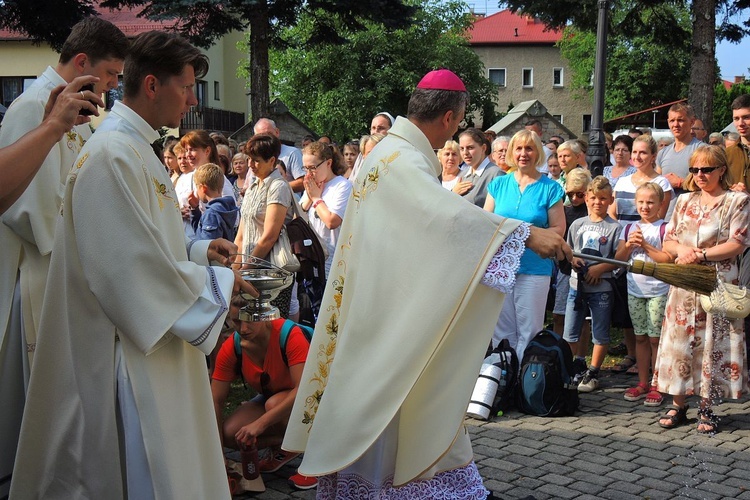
(705, 258)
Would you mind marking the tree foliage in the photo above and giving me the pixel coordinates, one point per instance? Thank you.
(723, 101)
(636, 65)
(711, 20)
(205, 21)
(336, 89)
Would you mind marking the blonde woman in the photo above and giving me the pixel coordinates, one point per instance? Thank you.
(530, 196)
(449, 157)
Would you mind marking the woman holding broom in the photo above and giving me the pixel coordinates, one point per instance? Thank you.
(703, 354)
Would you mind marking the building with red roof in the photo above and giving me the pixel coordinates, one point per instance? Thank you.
(521, 57)
(223, 103)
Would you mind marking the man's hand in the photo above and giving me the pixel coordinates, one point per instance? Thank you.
(66, 101)
(242, 286)
(546, 243)
(221, 251)
(674, 180)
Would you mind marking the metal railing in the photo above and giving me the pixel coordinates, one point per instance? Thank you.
(219, 120)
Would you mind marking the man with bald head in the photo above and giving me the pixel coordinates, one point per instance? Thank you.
(291, 156)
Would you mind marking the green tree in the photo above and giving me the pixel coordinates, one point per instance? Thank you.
(703, 32)
(204, 21)
(723, 102)
(337, 89)
(636, 65)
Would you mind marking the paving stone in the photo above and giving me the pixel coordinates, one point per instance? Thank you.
(618, 495)
(656, 484)
(619, 475)
(555, 458)
(503, 465)
(588, 489)
(659, 464)
(562, 470)
(656, 495)
(525, 492)
(651, 473)
(592, 477)
(533, 444)
(627, 487)
(696, 493)
(623, 446)
(557, 491)
(720, 489)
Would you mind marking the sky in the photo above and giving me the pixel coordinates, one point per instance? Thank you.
(732, 58)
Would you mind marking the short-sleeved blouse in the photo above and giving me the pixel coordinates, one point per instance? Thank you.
(531, 206)
(260, 194)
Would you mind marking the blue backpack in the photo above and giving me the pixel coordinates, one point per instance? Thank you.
(283, 339)
(545, 385)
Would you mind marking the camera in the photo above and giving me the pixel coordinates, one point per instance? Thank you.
(85, 111)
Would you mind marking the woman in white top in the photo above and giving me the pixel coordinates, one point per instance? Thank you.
(449, 159)
(326, 193)
(643, 157)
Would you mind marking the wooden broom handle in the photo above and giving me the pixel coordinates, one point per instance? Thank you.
(603, 260)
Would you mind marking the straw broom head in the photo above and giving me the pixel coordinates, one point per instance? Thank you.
(693, 277)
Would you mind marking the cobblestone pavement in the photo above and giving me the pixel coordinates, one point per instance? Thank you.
(611, 449)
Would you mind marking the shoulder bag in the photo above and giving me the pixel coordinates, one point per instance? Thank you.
(728, 300)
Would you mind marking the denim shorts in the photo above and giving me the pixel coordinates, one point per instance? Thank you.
(598, 305)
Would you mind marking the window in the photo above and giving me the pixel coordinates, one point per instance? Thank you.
(216, 91)
(527, 77)
(558, 118)
(113, 95)
(201, 91)
(13, 86)
(497, 76)
(557, 77)
(586, 123)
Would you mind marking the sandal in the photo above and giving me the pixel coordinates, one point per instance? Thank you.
(636, 393)
(633, 370)
(654, 397)
(679, 417)
(623, 366)
(708, 419)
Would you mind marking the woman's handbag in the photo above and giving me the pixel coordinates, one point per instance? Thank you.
(281, 253)
(728, 300)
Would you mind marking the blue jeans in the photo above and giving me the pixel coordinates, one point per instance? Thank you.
(596, 304)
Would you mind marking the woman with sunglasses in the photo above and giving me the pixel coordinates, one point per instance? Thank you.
(326, 193)
(643, 157)
(703, 354)
(274, 375)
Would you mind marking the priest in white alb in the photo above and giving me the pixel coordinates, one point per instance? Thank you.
(410, 307)
(119, 403)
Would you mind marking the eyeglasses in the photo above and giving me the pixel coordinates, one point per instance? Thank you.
(313, 169)
(701, 170)
(572, 194)
(697, 128)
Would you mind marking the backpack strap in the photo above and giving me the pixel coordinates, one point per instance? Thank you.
(238, 354)
(627, 231)
(284, 338)
(662, 230)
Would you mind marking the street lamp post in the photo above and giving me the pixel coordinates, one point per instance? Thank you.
(597, 155)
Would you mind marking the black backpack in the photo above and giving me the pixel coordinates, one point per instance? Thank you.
(306, 246)
(506, 390)
(545, 385)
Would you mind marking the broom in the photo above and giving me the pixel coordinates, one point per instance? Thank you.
(693, 277)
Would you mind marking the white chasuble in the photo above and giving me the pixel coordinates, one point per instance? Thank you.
(26, 235)
(30, 222)
(120, 273)
(404, 321)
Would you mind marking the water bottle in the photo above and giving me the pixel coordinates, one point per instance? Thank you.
(250, 465)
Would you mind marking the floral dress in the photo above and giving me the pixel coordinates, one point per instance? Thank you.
(699, 353)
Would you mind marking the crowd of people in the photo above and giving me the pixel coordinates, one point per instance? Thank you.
(122, 287)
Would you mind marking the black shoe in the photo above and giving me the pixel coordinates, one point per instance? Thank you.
(579, 370)
(618, 350)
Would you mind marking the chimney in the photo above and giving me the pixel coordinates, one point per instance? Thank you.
(739, 79)
(516, 31)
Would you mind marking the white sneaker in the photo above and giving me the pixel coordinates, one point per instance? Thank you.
(588, 383)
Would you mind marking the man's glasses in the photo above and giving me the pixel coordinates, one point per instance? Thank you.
(313, 169)
(701, 170)
(576, 194)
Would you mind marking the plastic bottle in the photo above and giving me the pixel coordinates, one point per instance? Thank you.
(250, 465)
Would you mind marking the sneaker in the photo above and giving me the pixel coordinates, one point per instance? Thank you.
(301, 482)
(276, 460)
(579, 370)
(589, 382)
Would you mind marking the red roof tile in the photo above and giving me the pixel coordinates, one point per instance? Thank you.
(506, 27)
(126, 19)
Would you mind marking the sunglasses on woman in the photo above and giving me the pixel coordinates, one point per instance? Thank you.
(572, 194)
(701, 170)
